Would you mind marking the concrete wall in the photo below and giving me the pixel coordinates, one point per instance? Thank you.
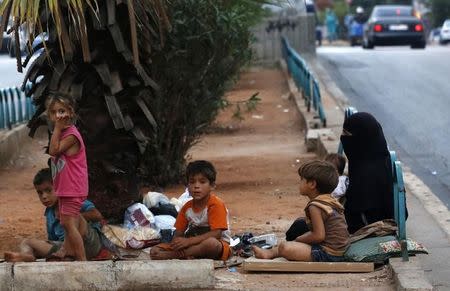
(267, 47)
(11, 141)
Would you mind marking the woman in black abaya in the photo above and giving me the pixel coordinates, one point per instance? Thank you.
(369, 194)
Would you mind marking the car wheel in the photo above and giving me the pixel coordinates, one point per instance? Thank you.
(418, 45)
(370, 44)
(366, 44)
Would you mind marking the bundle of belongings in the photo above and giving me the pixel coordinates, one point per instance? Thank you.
(245, 241)
(376, 243)
(145, 224)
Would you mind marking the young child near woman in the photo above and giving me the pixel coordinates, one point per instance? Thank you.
(339, 162)
(328, 238)
(69, 171)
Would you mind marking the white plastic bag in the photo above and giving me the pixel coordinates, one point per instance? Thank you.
(164, 221)
(177, 203)
(185, 197)
(138, 214)
(153, 199)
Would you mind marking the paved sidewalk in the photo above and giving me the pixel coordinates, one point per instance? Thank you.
(429, 219)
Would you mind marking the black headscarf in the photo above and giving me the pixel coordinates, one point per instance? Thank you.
(369, 195)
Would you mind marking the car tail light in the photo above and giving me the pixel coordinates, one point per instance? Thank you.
(418, 27)
(378, 28)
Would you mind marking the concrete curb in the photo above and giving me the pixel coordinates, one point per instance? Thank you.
(408, 275)
(108, 275)
(10, 141)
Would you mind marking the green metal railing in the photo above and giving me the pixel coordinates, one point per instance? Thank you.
(15, 107)
(304, 80)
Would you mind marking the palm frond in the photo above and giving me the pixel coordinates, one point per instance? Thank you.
(27, 13)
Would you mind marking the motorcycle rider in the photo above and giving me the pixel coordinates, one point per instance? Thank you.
(360, 16)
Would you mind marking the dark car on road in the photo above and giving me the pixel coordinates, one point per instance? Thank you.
(394, 25)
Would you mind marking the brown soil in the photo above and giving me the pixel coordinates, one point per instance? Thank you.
(256, 160)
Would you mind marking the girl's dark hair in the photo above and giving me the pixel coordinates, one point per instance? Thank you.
(338, 161)
(44, 175)
(324, 173)
(201, 167)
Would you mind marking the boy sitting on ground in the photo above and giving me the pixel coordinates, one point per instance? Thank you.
(32, 249)
(339, 163)
(328, 238)
(202, 223)
(300, 226)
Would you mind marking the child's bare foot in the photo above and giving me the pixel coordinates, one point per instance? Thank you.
(59, 254)
(264, 254)
(18, 257)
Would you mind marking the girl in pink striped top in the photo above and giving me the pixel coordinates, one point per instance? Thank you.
(69, 171)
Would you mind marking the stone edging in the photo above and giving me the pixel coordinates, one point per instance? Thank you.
(108, 275)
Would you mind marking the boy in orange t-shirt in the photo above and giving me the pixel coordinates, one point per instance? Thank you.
(202, 224)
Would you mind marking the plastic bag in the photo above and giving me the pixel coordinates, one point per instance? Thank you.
(138, 214)
(177, 203)
(185, 197)
(164, 221)
(154, 199)
(265, 241)
(164, 209)
(136, 238)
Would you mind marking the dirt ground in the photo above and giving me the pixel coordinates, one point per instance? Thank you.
(256, 160)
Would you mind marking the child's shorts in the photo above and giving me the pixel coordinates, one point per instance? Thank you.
(319, 255)
(92, 243)
(226, 249)
(70, 206)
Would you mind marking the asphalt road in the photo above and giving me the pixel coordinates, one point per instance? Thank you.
(408, 91)
(9, 77)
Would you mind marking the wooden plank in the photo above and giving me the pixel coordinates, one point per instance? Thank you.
(282, 265)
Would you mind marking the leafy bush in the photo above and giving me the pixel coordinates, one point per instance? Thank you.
(208, 45)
